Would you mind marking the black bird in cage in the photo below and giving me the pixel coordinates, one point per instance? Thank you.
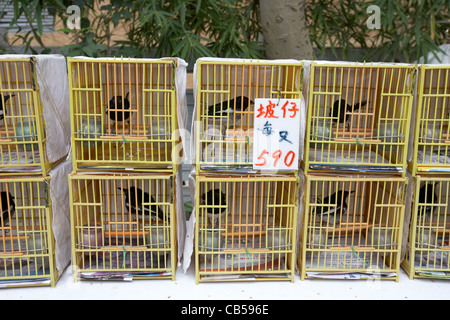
(340, 107)
(2, 107)
(333, 208)
(216, 201)
(117, 105)
(230, 109)
(428, 200)
(7, 210)
(134, 202)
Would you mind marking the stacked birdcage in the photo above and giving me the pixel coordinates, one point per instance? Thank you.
(22, 129)
(27, 169)
(357, 129)
(125, 116)
(245, 218)
(27, 254)
(428, 242)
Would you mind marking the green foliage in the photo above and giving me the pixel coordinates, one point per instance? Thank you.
(409, 29)
(338, 25)
(183, 28)
(193, 28)
(32, 11)
(412, 28)
(230, 28)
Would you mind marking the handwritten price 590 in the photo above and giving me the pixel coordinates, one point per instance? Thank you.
(277, 155)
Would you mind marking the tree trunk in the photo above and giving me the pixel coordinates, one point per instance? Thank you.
(284, 28)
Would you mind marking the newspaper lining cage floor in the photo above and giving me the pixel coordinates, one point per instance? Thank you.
(432, 125)
(358, 117)
(22, 128)
(123, 226)
(124, 113)
(352, 227)
(225, 96)
(27, 255)
(428, 242)
(246, 227)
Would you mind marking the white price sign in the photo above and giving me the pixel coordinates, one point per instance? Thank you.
(276, 134)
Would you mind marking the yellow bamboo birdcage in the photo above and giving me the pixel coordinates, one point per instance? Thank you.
(352, 227)
(123, 226)
(22, 128)
(428, 242)
(358, 116)
(225, 96)
(27, 254)
(123, 113)
(245, 227)
(432, 126)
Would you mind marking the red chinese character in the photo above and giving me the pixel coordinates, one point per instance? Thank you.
(284, 109)
(294, 109)
(268, 111)
(261, 111)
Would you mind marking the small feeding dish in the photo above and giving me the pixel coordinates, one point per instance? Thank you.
(26, 131)
(92, 236)
(91, 129)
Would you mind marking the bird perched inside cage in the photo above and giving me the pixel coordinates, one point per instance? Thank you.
(117, 105)
(3, 100)
(7, 210)
(215, 199)
(339, 110)
(334, 206)
(134, 202)
(427, 198)
(229, 110)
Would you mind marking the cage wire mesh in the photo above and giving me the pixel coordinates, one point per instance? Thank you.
(245, 228)
(352, 227)
(22, 128)
(359, 115)
(432, 130)
(123, 113)
(26, 237)
(428, 242)
(225, 104)
(123, 226)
